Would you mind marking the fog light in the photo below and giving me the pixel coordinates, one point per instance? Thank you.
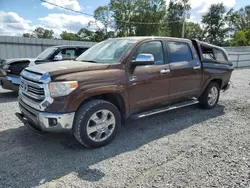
(52, 122)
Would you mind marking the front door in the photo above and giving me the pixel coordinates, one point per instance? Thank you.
(186, 71)
(149, 85)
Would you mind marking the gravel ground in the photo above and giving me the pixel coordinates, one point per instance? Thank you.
(187, 147)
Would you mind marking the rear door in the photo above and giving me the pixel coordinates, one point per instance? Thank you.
(186, 70)
(149, 84)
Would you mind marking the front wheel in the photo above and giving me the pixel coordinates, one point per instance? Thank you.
(96, 123)
(210, 96)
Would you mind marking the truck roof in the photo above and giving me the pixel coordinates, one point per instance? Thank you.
(205, 44)
(73, 46)
(140, 38)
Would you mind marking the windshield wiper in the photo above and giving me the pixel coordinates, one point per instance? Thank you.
(89, 61)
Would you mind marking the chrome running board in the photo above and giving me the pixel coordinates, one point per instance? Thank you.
(165, 109)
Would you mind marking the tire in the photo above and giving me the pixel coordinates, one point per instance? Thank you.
(204, 99)
(100, 116)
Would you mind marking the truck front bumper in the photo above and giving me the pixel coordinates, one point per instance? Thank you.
(10, 82)
(45, 122)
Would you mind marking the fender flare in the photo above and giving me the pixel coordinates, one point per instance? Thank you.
(102, 90)
(208, 81)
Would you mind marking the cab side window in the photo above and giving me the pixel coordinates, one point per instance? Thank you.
(155, 48)
(68, 53)
(180, 51)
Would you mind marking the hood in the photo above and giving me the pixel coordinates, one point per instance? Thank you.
(15, 61)
(66, 67)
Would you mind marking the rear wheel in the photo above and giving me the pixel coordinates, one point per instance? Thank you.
(210, 96)
(96, 123)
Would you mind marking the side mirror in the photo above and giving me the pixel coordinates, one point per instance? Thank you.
(143, 59)
(58, 58)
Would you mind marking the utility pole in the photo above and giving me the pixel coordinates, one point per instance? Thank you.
(183, 20)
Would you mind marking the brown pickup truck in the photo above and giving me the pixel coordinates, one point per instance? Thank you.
(118, 79)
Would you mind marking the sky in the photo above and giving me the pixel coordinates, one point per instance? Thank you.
(22, 16)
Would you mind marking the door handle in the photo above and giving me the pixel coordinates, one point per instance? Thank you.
(197, 67)
(165, 71)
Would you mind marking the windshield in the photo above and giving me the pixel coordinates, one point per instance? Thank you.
(46, 53)
(110, 51)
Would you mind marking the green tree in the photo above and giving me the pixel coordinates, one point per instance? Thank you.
(193, 31)
(28, 35)
(148, 11)
(111, 34)
(214, 21)
(94, 36)
(69, 36)
(122, 13)
(85, 34)
(40, 32)
(241, 38)
(103, 15)
(175, 16)
(131, 16)
(99, 36)
(240, 19)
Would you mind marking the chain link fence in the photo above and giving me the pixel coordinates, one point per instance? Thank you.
(19, 47)
(240, 59)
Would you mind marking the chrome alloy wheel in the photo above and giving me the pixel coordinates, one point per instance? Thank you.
(101, 125)
(213, 96)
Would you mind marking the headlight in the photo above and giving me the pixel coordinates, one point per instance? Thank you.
(58, 89)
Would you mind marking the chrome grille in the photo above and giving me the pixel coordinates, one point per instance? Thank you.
(31, 87)
(34, 88)
(38, 91)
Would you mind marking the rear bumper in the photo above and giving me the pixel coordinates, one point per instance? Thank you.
(45, 122)
(10, 82)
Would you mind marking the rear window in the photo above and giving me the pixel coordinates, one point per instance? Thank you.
(180, 51)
